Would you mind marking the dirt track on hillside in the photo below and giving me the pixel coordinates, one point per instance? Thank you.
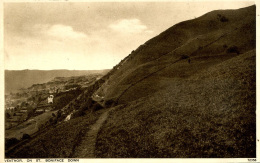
(86, 148)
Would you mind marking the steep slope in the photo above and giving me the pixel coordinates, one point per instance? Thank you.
(189, 92)
(209, 115)
(207, 40)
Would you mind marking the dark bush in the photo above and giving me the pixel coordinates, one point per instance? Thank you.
(10, 142)
(184, 57)
(26, 136)
(65, 98)
(51, 120)
(97, 106)
(78, 113)
(222, 18)
(7, 115)
(30, 112)
(233, 49)
(90, 102)
(59, 114)
(109, 103)
(62, 117)
(85, 105)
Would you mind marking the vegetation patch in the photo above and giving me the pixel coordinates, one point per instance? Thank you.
(59, 141)
(210, 115)
(233, 49)
(222, 18)
(62, 99)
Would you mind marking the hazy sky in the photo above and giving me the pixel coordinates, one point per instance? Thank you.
(84, 36)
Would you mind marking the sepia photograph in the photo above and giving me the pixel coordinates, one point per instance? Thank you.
(150, 79)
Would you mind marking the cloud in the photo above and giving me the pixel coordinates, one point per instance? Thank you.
(61, 46)
(58, 31)
(129, 26)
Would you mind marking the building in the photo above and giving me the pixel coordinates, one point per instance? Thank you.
(11, 109)
(50, 99)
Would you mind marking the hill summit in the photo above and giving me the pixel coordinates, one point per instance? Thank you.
(203, 42)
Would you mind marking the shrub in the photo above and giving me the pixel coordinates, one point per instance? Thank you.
(233, 49)
(90, 102)
(78, 113)
(7, 115)
(50, 120)
(222, 18)
(59, 114)
(184, 57)
(26, 136)
(64, 99)
(55, 121)
(109, 103)
(85, 105)
(10, 142)
(97, 106)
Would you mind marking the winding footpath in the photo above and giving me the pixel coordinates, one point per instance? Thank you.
(86, 149)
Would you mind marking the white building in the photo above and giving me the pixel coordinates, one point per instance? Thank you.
(50, 99)
(10, 108)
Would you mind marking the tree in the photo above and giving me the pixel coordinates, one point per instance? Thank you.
(10, 142)
(97, 106)
(222, 18)
(233, 49)
(7, 115)
(30, 113)
(109, 103)
(184, 56)
(26, 136)
(50, 120)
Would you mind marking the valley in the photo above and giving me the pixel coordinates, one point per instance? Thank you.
(35, 108)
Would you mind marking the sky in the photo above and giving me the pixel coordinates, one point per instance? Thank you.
(89, 35)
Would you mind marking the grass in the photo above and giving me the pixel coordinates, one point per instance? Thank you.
(205, 108)
(59, 141)
(62, 99)
(202, 109)
(209, 115)
(28, 127)
(33, 126)
(201, 37)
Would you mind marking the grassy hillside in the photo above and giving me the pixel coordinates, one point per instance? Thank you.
(189, 92)
(206, 40)
(209, 114)
(58, 141)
